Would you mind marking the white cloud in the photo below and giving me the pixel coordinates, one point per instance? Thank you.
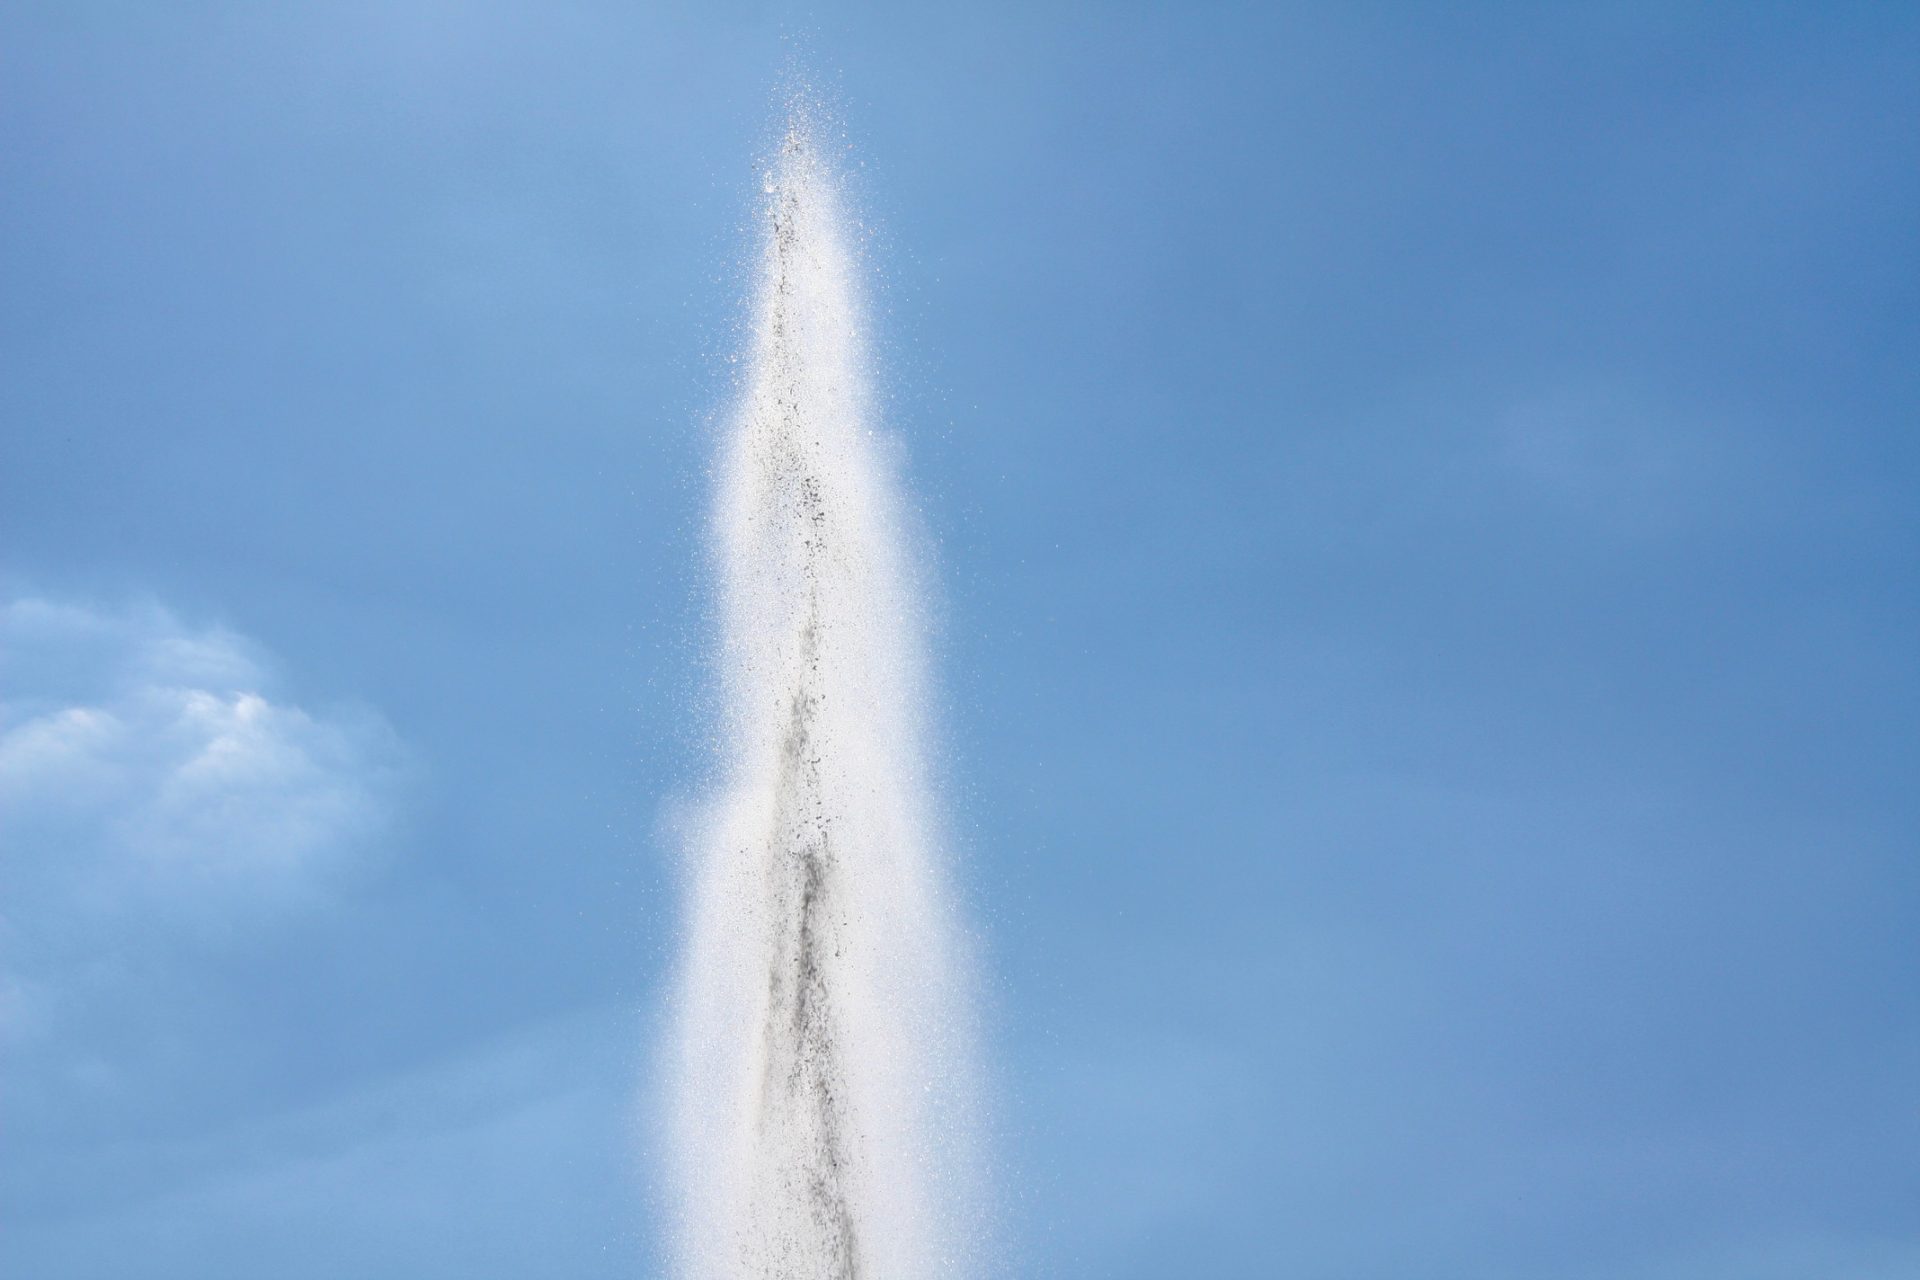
(154, 782)
(137, 749)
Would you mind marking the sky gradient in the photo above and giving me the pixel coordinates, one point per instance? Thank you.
(1427, 507)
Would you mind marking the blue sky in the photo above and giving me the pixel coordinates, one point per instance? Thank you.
(1426, 509)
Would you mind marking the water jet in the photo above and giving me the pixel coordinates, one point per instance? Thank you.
(823, 1065)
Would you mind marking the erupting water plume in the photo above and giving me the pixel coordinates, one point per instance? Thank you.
(822, 1099)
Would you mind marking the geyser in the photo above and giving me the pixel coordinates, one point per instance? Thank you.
(823, 1085)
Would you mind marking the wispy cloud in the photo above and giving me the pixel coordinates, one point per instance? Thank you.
(159, 794)
(495, 1158)
(1624, 463)
(147, 764)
